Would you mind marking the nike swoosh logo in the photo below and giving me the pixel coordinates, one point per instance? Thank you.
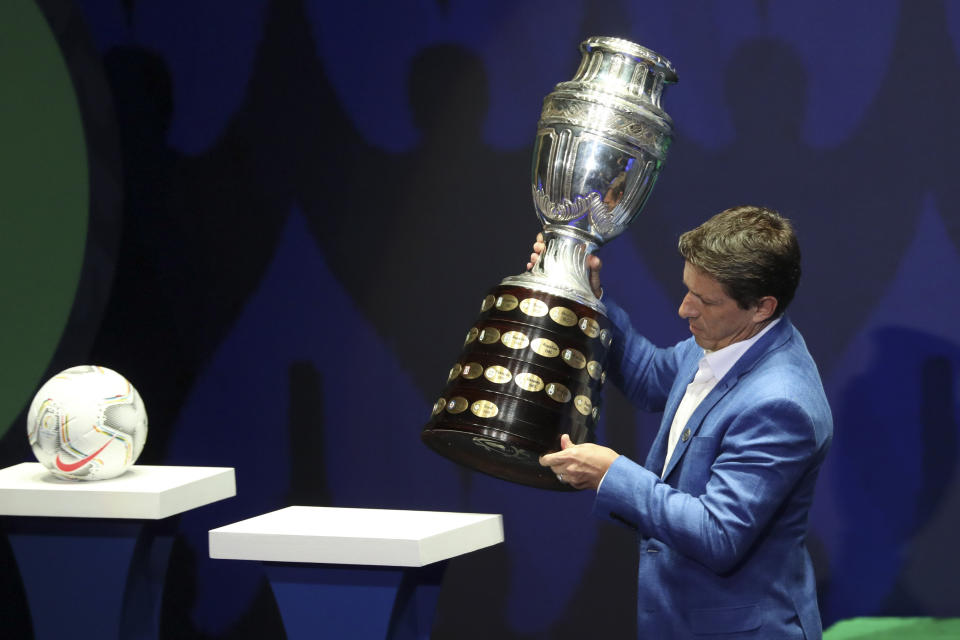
(73, 466)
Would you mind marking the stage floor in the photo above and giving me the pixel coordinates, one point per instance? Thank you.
(894, 629)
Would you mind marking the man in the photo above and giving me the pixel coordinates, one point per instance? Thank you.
(721, 504)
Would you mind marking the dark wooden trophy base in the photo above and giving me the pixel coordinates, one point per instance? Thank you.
(531, 369)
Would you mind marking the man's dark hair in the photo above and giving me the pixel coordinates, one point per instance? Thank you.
(752, 251)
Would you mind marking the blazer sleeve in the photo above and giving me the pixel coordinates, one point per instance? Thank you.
(762, 456)
(643, 372)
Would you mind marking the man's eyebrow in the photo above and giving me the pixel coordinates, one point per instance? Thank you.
(691, 291)
(699, 296)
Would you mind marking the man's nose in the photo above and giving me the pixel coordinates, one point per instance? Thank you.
(687, 308)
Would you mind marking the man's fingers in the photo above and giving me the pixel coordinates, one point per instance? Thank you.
(538, 248)
(550, 459)
(594, 264)
(565, 441)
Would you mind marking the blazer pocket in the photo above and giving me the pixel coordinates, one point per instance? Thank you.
(725, 620)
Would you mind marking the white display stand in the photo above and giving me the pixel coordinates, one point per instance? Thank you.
(122, 529)
(356, 573)
(143, 492)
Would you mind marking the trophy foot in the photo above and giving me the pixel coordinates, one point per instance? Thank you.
(495, 453)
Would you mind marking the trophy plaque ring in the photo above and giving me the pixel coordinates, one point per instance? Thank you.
(534, 362)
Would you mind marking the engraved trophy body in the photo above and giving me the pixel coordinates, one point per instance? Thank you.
(533, 364)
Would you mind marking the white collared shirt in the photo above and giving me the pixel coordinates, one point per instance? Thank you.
(713, 366)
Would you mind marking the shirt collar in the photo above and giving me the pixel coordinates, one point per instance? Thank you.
(722, 360)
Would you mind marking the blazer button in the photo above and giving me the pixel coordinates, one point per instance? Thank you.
(686, 435)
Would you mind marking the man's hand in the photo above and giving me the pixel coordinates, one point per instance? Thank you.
(538, 247)
(593, 264)
(582, 466)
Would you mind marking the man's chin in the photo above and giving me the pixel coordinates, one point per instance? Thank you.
(701, 341)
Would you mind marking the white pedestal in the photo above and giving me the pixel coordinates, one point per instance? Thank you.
(120, 528)
(356, 573)
(380, 537)
(143, 492)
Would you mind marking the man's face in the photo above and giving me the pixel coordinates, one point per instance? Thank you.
(716, 320)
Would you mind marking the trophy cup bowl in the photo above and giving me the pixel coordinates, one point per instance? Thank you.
(534, 362)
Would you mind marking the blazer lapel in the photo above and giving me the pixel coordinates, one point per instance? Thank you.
(772, 340)
(658, 450)
(693, 424)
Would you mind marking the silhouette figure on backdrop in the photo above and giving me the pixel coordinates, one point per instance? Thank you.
(198, 234)
(833, 195)
(911, 380)
(934, 100)
(380, 214)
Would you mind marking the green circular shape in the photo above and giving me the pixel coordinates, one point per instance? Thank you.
(44, 201)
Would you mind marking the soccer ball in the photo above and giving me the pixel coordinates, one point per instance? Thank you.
(87, 423)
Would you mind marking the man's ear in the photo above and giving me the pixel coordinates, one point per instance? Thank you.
(766, 307)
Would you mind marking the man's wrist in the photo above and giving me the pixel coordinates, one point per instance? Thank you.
(600, 484)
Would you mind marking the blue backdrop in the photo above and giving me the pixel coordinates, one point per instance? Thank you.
(316, 197)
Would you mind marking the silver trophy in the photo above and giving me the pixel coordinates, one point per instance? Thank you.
(534, 363)
(601, 141)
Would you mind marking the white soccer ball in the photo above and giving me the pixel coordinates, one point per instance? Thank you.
(87, 423)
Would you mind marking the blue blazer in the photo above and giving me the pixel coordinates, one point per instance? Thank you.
(722, 535)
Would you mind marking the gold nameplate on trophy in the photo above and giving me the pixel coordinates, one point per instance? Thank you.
(574, 358)
(563, 316)
(558, 392)
(483, 409)
(497, 374)
(515, 340)
(534, 307)
(545, 347)
(583, 404)
(457, 405)
(529, 381)
(590, 327)
(472, 370)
